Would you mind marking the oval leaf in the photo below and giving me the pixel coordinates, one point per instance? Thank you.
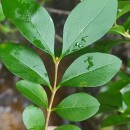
(33, 21)
(33, 118)
(24, 62)
(34, 92)
(77, 107)
(68, 127)
(90, 70)
(87, 23)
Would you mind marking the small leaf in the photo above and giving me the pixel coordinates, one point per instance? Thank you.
(34, 92)
(124, 7)
(33, 118)
(118, 29)
(126, 98)
(68, 127)
(91, 70)
(33, 21)
(24, 62)
(114, 120)
(87, 23)
(77, 107)
(109, 101)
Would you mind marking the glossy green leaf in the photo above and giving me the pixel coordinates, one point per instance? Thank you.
(33, 21)
(114, 120)
(109, 101)
(77, 107)
(24, 62)
(117, 86)
(33, 118)
(2, 17)
(87, 23)
(68, 127)
(126, 98)
(90, 70)
(118, 29)
(123, 8)
(34, 92)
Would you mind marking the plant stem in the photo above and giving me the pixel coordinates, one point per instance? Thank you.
(49, 110)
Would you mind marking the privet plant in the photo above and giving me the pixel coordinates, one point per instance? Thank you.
(87, 23)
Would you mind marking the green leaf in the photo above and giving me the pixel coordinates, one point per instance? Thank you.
(33, 118)
(68, 127)
(2, 17)
(87, 23)
(34, 92)
(126, 98)
(77, 107)
(33, 21)
(118, 29)
(123, 8)
(117, 86)
(90, 70)
(109, 101)
(24, 62)
(114, 120)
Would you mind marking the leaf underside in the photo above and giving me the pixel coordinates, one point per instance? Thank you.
(87, 23)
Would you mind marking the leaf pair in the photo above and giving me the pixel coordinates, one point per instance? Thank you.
(71, 108)
(80, 30)
(90, 70)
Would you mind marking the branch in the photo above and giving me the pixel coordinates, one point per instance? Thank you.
(57, 11)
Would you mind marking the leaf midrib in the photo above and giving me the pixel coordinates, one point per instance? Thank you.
(40, 36)
(59, 108)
